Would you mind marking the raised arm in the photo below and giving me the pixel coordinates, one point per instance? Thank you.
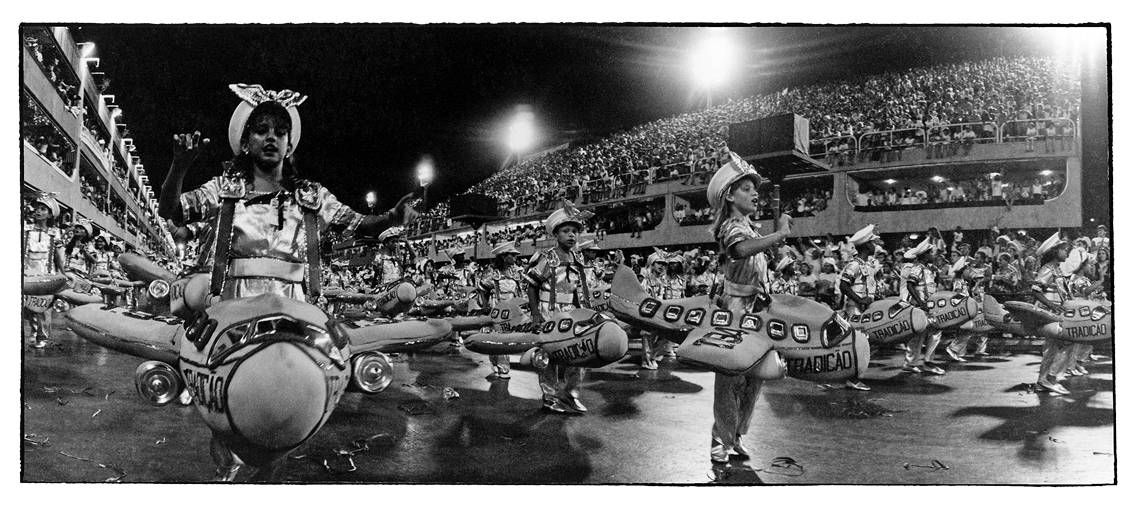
(186, 151)
(750, 247)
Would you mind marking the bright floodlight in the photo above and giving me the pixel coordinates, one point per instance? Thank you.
(521, 133)
(713, 59)
(425, 172)
(370, 198)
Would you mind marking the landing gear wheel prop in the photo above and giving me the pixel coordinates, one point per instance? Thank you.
(372, 372)
(158, 289)
(536, 358)
(157, 383)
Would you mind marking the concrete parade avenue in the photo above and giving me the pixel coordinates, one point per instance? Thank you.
(978, 424)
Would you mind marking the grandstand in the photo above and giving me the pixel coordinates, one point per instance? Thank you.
(975, 143)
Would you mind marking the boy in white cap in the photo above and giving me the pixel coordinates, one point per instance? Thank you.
(920, 285)
(734, 192)
(962, 281)
(557, 281)
(1050, 288)
(387, 260)
(501, 283)
(786, 281)
(43, 254)
(858, 283)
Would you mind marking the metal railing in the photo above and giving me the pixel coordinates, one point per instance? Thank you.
(1040, 125)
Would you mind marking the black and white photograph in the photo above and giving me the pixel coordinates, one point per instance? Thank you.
(628, 252)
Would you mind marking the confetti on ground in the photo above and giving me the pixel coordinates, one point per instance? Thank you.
(113, 479)
(33, 440)
(96, 413)
(160, 442)
(61, 401)
(786, 466)
(935, 465)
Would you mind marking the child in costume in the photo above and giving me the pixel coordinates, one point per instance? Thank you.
(501, 283)
(1051, 289)
(858, 283)
(918, 274)
(43, 254)
(733, 191)
(557, 281)
(267, 220)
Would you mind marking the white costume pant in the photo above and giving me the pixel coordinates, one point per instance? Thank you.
(914, 352)
(962, 339)
(734, 397)
(1055, 358)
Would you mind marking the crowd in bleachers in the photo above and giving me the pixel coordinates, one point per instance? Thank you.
(64, 79)
(1009, 190)
(925, 106)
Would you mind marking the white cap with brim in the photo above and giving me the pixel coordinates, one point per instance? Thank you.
(729, 173)
(784, 263)
(1052, 242)
(863, 235)
(48, 201)
(1075, 260)
(253, 95)
(916, 251)
(504, 248)
(958, 265)
(567, 214)
(391, 233)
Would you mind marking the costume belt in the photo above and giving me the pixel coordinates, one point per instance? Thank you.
(740, 289)
(558, 298)
(265, 267)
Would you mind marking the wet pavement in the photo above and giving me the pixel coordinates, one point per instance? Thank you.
(82, 422)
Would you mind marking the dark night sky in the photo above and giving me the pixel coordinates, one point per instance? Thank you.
(381, 96)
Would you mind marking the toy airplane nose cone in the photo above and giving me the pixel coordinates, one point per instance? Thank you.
(1052, 330)
(406, 293)
(277, 397)
(771, 367)
(972, 307)
(612, 342)
(919, 321)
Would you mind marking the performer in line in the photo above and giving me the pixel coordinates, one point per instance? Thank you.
(963, 282)
(266, 218)
(260, 204)
(664, 285)
(557, 281)
(858, 283)
(1050, 288)
(79, 253)
(733, 192)
(43, 254)
(501, 283)
(918, 275)
(1081, 285)
(387, 259)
